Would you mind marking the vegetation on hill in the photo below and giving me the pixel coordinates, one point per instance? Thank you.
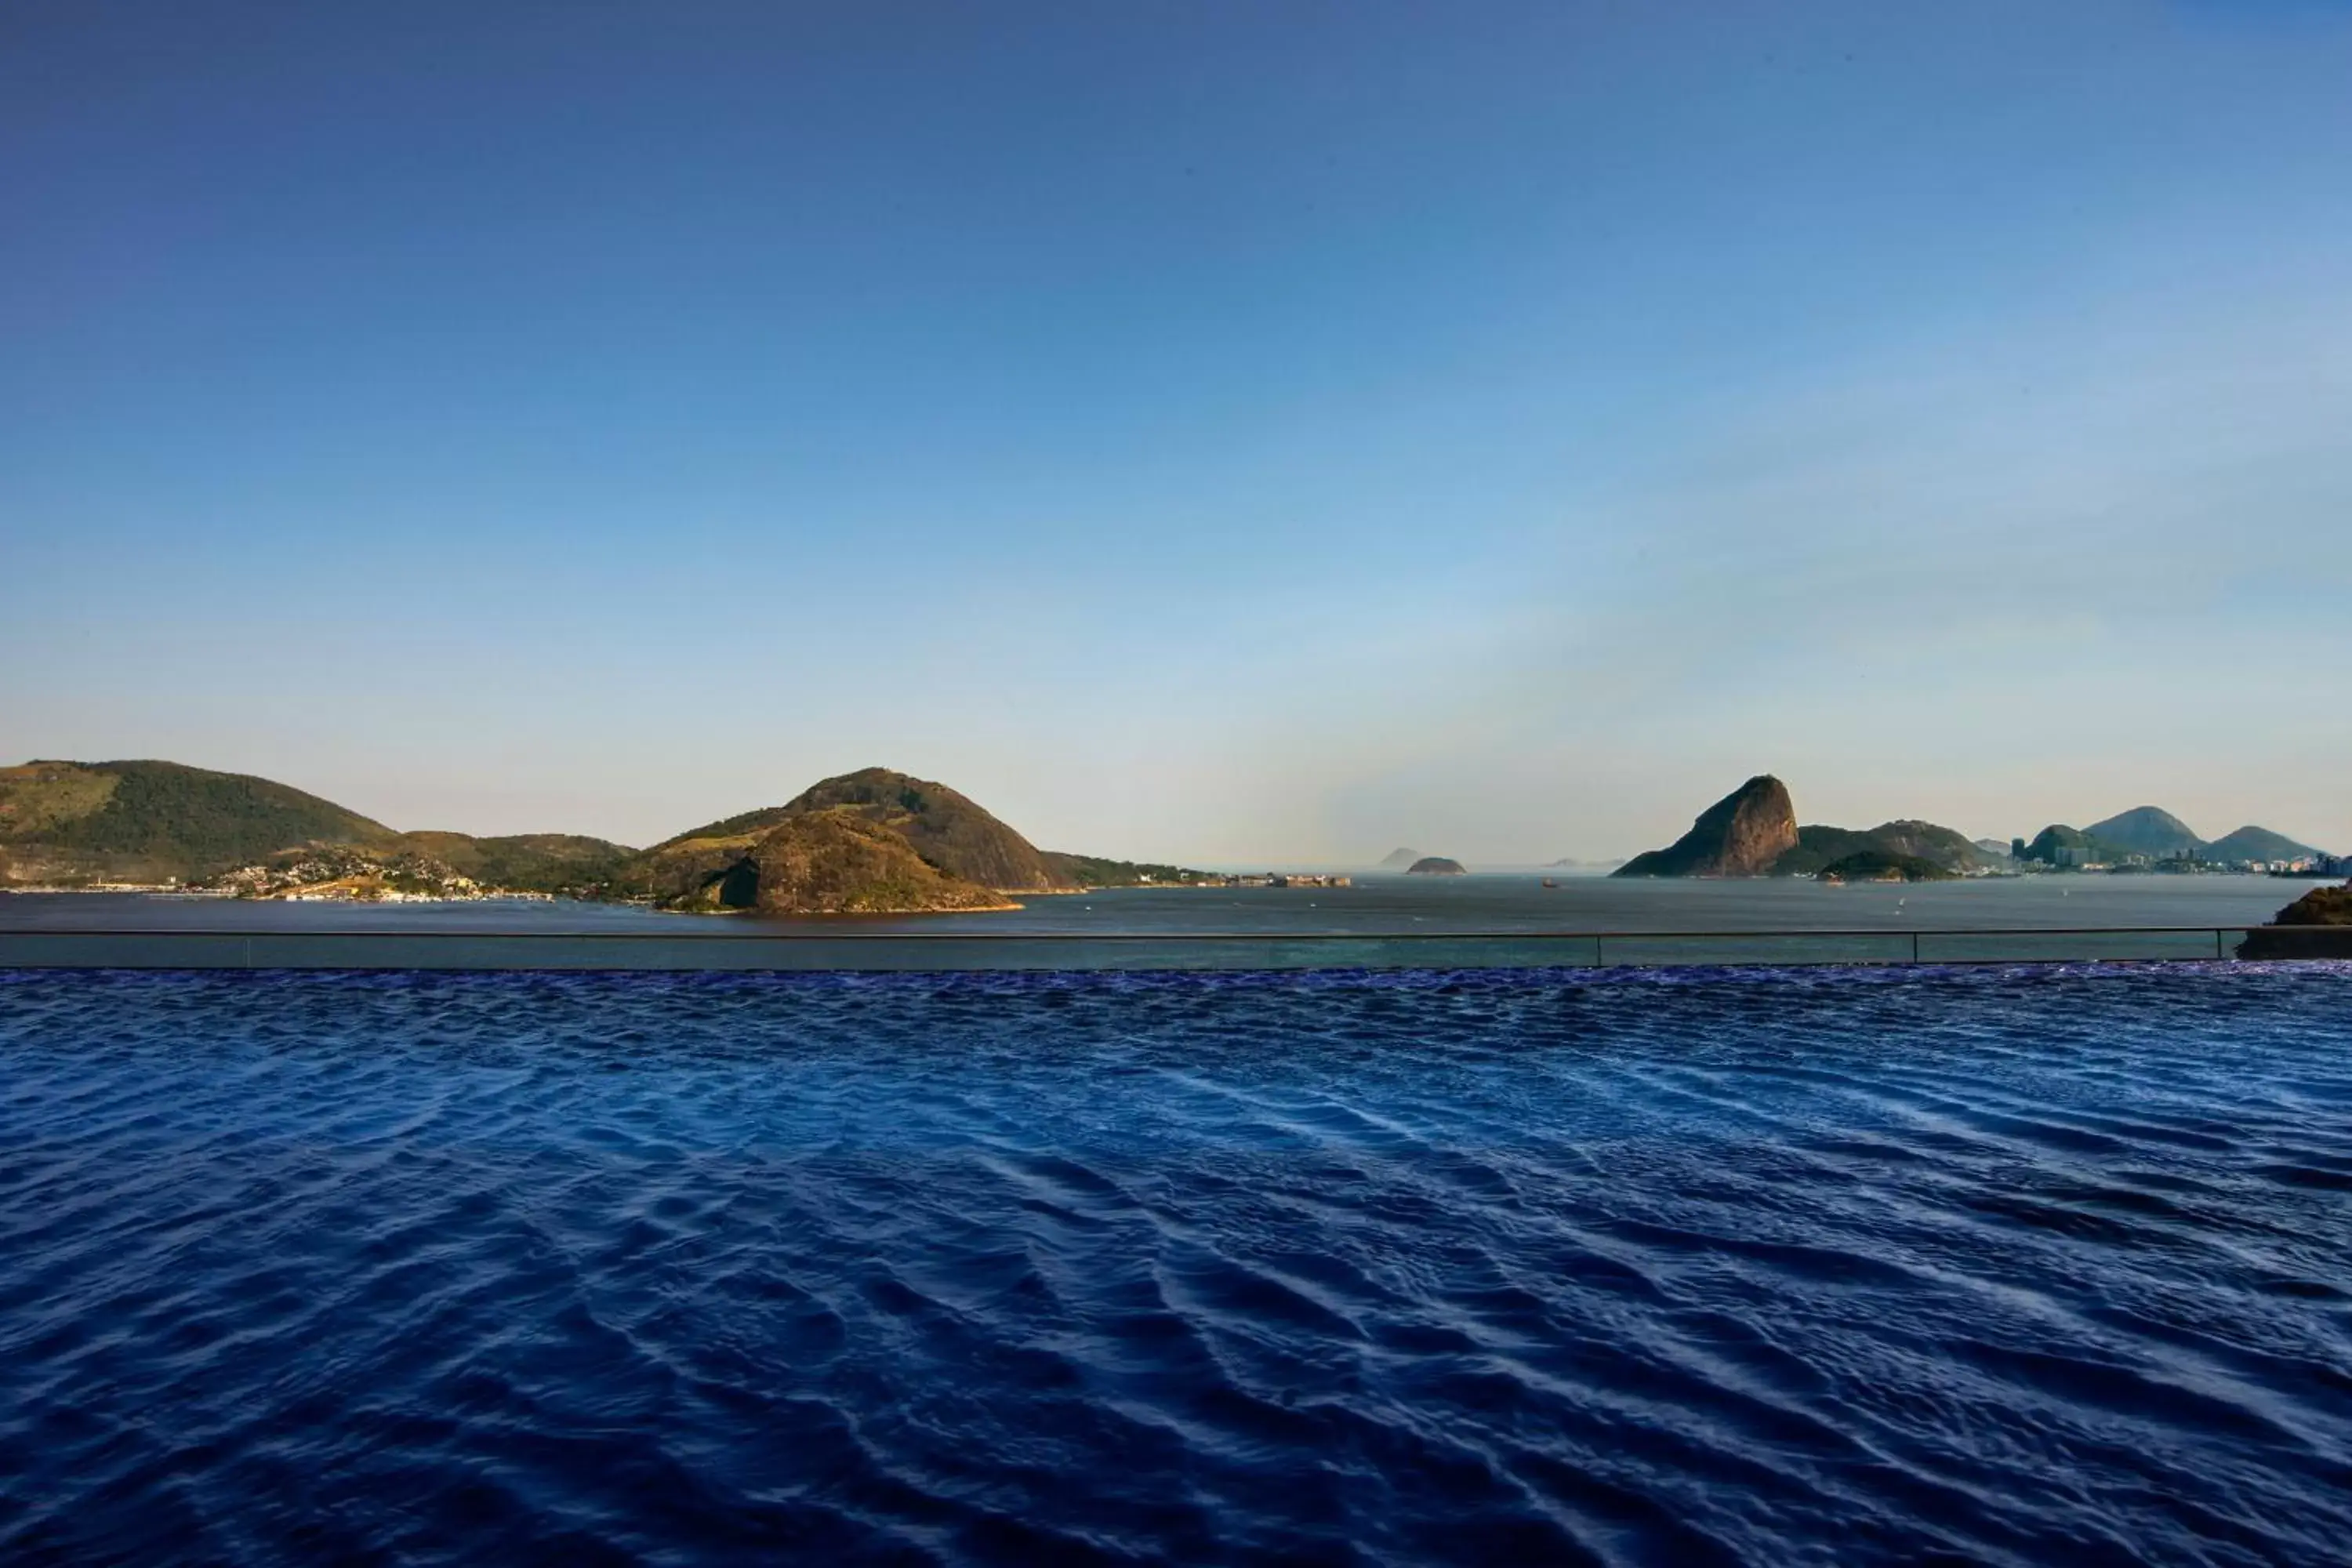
(946, 828)
(714, 871)
(1818, 847)
(2146, 830)
(527, 862)
(64, 823)
(839, 861)
(2059, 845)
(2319, 907)
(37, 798)
(1946, 847)
(921, 845)
(1883, 866)
(903, 823)
(830, 862)
(1092, 871)
(2256, 845)
(156, 821)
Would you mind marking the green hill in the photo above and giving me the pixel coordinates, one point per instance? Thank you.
(834, 862)
(1947, 847)
(153, 822)
(69, 823)
(947, 829)
(526, 862)
(2060, 845)
(2257, 845)
(733, 863)
(839, 861)
(1881, 866)
(2147, 830)
(708, 872)
(1092, 871)
(1818, 847)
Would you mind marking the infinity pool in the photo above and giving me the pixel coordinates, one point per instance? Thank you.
(2041, 1264)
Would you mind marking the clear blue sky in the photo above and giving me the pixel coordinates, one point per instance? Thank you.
(1218, 431)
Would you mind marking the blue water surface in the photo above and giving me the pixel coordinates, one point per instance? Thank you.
(2007, 1265)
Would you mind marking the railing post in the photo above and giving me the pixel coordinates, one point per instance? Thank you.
(1914, 947)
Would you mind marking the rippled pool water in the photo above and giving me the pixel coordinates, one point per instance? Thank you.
(2010, 1265)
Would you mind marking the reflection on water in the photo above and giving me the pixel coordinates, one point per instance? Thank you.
(1867, 1267)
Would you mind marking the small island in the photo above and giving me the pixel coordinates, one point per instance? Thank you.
(1436, 866)
(1879, 866)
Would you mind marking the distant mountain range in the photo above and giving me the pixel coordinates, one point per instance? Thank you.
(1753, 832)
(873, 841)
(2149, 833)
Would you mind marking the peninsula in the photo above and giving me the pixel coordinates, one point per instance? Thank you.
(869, 842)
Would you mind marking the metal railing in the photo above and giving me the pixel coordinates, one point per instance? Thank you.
(163, 948)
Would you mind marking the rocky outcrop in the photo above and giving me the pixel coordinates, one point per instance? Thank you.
(840, 862)
(1434, 866)
(947, 829)
(2319, 907)
(871, 842)
(1742, 834)
(705, 875)
(833, 862)
(2316, 925)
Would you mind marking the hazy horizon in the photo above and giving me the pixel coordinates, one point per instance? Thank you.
(1228, 435)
